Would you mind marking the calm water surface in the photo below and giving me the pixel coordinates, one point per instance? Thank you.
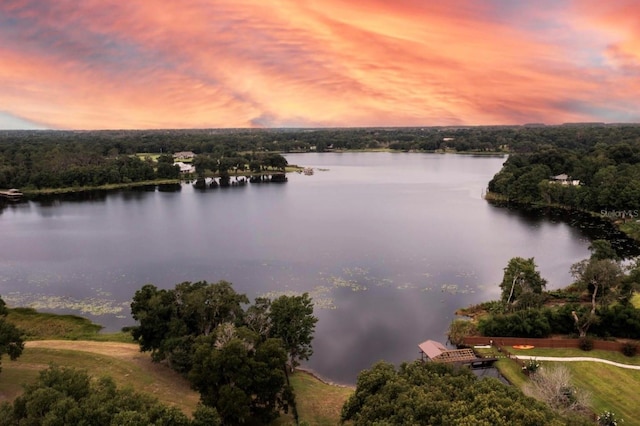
(389, 245)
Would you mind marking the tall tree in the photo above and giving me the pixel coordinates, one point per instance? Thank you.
(601, 278)
(11, 342)
(241, 376)
(521, 277)
(292, 321)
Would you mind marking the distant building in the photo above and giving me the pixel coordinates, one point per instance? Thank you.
(564, 179)
(185, 168)
(184, 155)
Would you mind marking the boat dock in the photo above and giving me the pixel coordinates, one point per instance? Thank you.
(12, 194)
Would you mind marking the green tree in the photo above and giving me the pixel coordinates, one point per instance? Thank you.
(241, 376)
(236, 359)
(601, 278)
(292, 321)
(11, 342)
(602, 249)
(437, 394)
(521, 277)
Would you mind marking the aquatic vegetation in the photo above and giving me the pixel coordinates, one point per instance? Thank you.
(339, 282)
(92, 305)
(455, 289)
(407, 286)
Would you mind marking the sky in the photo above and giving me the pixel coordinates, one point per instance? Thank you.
(143, 64)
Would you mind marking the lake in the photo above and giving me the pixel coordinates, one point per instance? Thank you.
(389, 245)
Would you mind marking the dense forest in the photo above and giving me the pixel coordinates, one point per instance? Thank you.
(601, 177)
(54, 159)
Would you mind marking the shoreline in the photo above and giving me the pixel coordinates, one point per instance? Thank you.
(619, 224)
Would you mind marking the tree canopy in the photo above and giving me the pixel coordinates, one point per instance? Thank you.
(236, 357)
(437, 394)
(521, 279)
(66, 396)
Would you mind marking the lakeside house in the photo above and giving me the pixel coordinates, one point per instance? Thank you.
(185, 168)
(184, 155)
(564, 179)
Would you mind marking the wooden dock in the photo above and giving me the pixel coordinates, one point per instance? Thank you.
(12, 195)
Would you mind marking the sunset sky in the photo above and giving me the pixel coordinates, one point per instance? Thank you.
(114, 64)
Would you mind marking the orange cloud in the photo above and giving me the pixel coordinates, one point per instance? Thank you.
(112, 64)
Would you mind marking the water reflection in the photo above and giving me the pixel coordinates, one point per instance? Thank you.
(388, 245)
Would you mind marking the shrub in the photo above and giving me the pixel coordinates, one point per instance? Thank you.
(459, 329)
(531, 366)
(586, 344)
(630, 349)
(608, 418)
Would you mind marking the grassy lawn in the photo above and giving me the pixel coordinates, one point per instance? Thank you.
(318, 403)
(41, 326)
(73, 341)
(611, 388)
(152, 155)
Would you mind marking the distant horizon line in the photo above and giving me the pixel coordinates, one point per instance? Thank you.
(456, 126)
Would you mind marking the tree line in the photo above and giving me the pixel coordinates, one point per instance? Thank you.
(608, 175)
(53, 159)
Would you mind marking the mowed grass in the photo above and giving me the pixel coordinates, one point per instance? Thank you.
(318, 403)
(611, 388)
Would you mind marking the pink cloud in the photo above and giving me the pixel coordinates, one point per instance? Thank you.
(105, 64)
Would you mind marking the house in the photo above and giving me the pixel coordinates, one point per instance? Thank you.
(185, 168)
(564, 179)
(184, 155)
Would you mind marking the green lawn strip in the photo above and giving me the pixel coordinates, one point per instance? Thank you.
(511, 371)
(573, 352)
(611, 388)
(318, 403)
(108, 187)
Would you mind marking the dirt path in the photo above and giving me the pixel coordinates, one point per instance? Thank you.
(127, 351)
(578, 359)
